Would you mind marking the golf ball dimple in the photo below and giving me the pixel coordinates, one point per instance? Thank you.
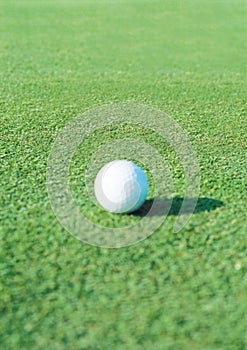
(121, 186)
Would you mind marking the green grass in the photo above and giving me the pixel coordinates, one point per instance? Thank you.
(170, 291)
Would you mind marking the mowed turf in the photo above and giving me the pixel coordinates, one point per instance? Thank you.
(171, 291)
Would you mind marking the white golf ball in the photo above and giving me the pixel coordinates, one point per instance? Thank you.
(121, 186)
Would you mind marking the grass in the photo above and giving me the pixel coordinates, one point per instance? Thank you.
(170, 291)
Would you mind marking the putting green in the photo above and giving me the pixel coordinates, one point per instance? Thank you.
(171, 291)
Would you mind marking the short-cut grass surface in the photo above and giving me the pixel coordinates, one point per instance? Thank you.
(171, 291)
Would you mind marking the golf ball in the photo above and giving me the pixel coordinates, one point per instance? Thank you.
(121, 186)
